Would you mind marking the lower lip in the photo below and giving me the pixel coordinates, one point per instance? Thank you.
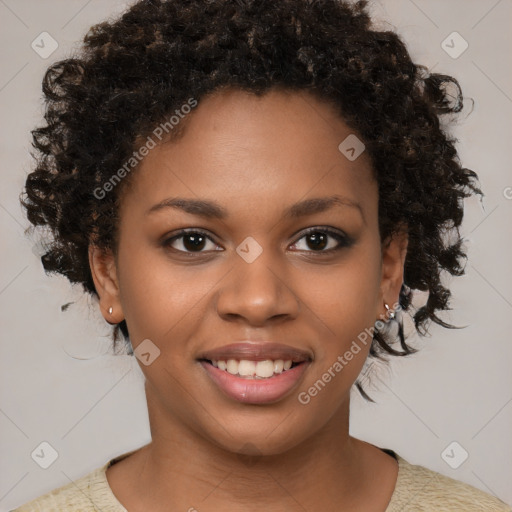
(256, 391)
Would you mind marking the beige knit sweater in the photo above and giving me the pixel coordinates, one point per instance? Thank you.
(417, 489)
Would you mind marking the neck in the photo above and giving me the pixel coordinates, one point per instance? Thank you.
(184, 468)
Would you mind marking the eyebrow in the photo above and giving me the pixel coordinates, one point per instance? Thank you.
(212, 210)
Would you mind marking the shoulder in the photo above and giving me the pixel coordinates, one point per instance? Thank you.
(419, 489)
(91, 493)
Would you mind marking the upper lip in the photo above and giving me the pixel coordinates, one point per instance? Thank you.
(257, 351)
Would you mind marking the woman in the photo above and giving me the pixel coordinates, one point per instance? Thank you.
(253, 191)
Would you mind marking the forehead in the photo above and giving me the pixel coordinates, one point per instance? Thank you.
(282, 146)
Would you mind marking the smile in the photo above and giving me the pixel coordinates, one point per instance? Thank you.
(254, 372)
(254, 369)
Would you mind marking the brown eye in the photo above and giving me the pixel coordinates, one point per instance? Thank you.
(317, 240)
(190, 241)
(323, 240)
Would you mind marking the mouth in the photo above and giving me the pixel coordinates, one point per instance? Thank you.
(255, 372)
(248, 369)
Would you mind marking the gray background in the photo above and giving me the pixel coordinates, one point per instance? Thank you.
(59, 384)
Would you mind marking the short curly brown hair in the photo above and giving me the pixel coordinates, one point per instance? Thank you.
(133, 72)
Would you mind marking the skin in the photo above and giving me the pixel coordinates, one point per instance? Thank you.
(255, 157)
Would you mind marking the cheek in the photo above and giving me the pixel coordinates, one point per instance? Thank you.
(344, 307)
(159, 299)
(344, 298)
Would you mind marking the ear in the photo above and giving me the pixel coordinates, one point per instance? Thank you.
(104, 275)
(394, 251)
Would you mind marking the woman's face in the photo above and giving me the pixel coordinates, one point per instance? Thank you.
(255, 276)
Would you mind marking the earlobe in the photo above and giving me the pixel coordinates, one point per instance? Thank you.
(104, 274)
(394, 252)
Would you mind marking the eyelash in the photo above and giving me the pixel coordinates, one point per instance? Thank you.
(342, 239)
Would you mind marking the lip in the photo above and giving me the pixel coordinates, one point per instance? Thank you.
(256, 391)
(257, 351)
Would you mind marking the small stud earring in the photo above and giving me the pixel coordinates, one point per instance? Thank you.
(391, 314)
(110, 310)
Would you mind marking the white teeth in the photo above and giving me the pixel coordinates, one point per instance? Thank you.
(253, 369)
(278, 366)
(265, 368)
(232, 366)
(246, 368)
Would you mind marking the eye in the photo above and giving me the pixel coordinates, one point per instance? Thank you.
(317, 239)
(190, 241)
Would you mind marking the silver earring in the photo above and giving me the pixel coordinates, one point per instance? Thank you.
(391, 314)
(110, 310)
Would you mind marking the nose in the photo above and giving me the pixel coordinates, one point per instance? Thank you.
(257, 292)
